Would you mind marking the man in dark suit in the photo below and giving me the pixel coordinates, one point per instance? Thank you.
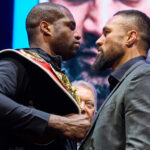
(123, 121)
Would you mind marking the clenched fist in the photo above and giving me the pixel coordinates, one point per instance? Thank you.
(73, 126)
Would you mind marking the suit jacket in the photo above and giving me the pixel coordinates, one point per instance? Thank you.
(123, 121)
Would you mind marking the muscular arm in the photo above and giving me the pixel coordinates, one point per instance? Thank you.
(73, 127)
(137, 113)
(16, 117)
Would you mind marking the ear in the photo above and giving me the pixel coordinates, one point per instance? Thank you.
(131, 38)
(45, 27)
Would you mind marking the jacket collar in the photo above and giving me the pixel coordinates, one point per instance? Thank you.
(55, 61)
(117, 75)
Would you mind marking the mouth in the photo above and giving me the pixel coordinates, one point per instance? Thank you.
(77, 44)
(99, 50)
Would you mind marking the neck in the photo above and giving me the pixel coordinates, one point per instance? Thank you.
(129, 54)
(43, 46)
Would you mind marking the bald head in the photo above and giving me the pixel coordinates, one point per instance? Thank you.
(136, 20)
(48, 12)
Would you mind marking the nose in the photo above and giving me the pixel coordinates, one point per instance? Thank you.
(96, 18)
(77, 35)
(83, 109)
(100, 41)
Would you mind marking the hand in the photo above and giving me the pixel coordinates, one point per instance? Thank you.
(73, 126)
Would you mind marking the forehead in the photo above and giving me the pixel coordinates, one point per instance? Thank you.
(115, 20)
(68, 14)
(66, 19)
(83, 90)
(115, 23)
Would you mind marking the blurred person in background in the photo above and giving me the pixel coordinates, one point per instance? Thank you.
(88, 97)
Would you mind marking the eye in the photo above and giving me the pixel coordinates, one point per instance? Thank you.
(72, 26)
(105, 33)
(89, 105)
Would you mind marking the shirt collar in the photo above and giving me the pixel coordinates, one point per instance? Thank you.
(55, 61)
(116, 75)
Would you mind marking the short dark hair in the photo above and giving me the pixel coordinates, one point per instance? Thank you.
(142, 23)
(49, 12)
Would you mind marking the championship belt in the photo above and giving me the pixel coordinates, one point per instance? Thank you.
(54, 92)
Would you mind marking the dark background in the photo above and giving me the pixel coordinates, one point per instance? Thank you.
(6, 23)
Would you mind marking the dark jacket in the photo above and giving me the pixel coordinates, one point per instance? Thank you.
(27, 98)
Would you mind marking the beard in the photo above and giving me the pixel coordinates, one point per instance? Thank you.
(101, 63)
(106, 61)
